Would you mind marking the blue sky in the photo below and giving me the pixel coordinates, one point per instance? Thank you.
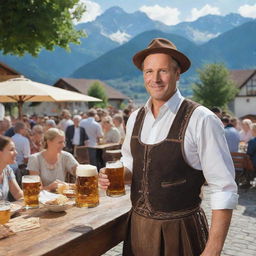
(172, 12)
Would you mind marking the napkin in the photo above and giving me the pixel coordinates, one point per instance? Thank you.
(45, 196)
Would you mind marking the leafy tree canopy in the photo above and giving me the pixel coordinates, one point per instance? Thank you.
(215, 87)
(27, 26)
(98, 91)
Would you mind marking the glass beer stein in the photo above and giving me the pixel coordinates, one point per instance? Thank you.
(87, 193)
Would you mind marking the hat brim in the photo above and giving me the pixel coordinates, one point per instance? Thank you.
(182, 59)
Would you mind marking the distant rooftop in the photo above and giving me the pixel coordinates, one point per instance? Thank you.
(241, 76)
(82, 86)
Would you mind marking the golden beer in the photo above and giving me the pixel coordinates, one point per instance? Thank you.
(87, 193)
(31, 189)
(115, 172)
(5, 212)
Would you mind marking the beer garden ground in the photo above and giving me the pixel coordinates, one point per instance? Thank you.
(242, 233)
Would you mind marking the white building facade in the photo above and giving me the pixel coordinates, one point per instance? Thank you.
(245, 101)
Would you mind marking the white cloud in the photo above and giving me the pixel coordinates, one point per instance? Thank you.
(205, 10)
(167, 15)
(201, 37)
(248, 11)
(120, 37)
(92, 11)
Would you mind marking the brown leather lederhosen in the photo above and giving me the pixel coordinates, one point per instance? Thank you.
(166, 218)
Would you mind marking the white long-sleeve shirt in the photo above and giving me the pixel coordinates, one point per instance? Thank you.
(205, 147)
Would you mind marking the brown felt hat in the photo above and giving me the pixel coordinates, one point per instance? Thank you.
(162, 45)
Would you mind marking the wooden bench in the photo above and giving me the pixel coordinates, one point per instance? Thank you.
(243, 167)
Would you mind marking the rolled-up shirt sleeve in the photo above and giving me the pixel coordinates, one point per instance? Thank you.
(217, 164)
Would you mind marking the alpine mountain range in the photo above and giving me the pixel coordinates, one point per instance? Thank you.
(115, 36)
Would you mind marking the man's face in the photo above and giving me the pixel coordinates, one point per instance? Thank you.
(160, 76)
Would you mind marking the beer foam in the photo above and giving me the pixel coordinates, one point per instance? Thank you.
(86, 170)
(5, 207)
(30, 179)
(113, 165)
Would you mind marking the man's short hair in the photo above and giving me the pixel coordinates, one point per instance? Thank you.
(92, 113)
(225, 120)
(216, 110)
(19, 126)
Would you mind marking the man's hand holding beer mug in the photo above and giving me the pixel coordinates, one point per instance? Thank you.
(111, 178)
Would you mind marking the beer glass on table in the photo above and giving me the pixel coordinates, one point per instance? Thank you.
(31, 189)
(87, 193)
(5, 211)
(115, 172)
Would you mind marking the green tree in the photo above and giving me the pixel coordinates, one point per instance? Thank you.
(215, 87)
(27, 26)
(98, 91)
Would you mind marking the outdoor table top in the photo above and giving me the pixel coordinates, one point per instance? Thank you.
(78, 231)
(106, 145)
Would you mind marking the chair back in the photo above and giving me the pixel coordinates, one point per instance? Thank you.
(243, 167)
(81, 154)
(242, 161)
(239, 160)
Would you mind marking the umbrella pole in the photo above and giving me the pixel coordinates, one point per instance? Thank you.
(20, 103)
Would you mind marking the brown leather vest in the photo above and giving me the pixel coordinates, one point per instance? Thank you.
(163, 184)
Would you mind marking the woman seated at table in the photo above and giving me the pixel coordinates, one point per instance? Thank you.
(8, 182)
(52, 164)
(111, 133)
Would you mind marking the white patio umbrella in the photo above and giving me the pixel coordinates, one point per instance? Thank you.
(22, 90)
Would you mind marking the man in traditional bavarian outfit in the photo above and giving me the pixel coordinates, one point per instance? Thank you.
(171, 147)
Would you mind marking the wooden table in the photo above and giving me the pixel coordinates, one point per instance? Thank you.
(106, 145)
(78, 231)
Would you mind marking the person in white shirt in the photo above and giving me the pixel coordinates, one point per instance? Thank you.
(94, 132)
(22, 144)
(66, 121)
(172, 146)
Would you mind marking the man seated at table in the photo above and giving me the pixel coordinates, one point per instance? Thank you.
(22, 146)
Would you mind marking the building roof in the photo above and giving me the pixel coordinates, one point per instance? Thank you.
(9, 71)
(82, 86)
(240, 77)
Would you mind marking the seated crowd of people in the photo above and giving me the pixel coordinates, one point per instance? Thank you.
(240, 134)
(45, 146)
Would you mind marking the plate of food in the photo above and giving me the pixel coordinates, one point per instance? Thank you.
(58, 204)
